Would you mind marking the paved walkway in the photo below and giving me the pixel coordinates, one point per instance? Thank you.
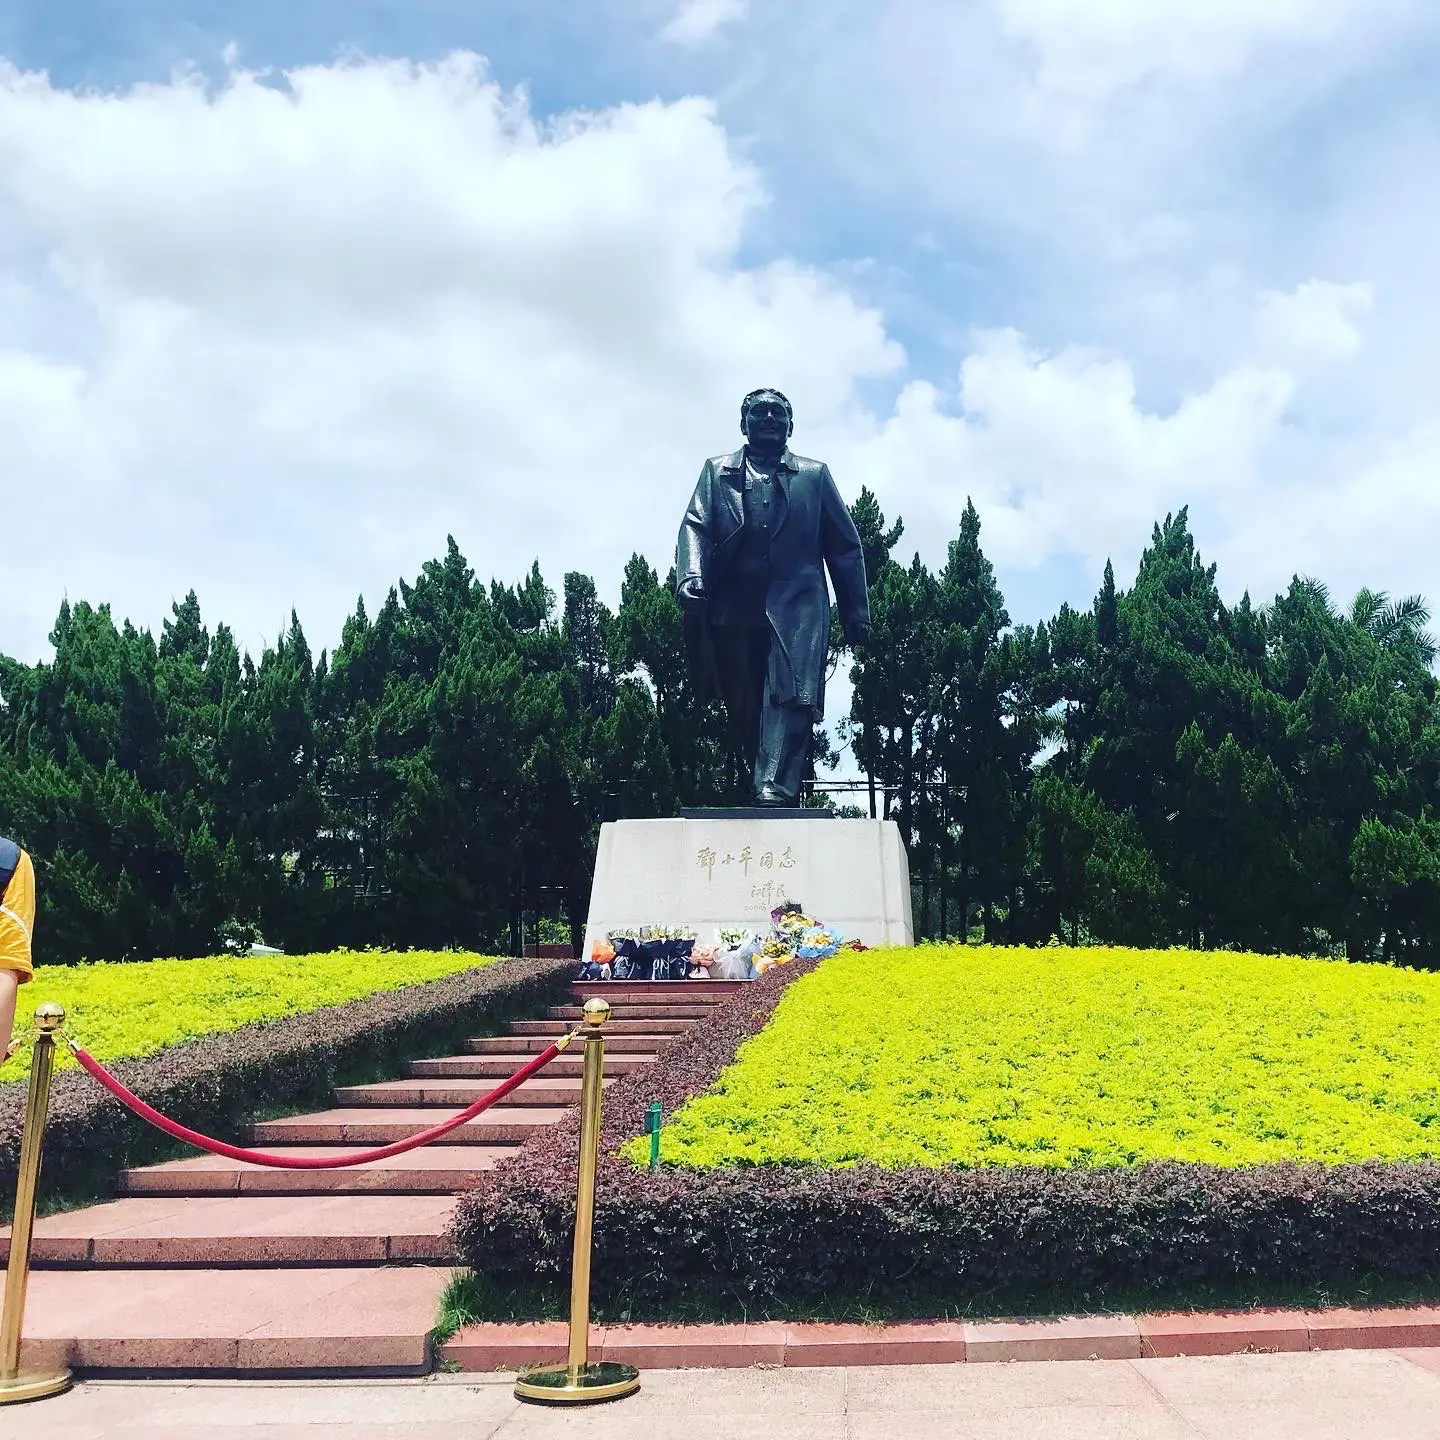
(1315, 1395)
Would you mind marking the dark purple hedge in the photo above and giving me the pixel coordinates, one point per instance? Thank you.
(220, 1083)
(781, 1240)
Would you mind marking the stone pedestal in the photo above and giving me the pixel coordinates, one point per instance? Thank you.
(707, 871)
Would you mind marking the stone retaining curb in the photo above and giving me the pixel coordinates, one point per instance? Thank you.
(481, 1348)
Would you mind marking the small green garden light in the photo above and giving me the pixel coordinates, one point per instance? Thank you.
(652, 1129)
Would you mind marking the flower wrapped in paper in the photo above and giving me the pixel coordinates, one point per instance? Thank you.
(818, 942)
(779, 949)
(665, 950)
(627, 964)
(789, 919)
(735, 957)
(599, 964)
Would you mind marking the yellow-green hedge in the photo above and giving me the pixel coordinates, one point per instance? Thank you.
(991, 1056)
(127, 1010)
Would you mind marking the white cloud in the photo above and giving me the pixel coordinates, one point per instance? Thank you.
(1315, 324)
(1094, 145)
(698, 21)
(283, 341)
(1215, 228)
(1103, 45)
(275, 342)
(1063, 460)
(1060, 457)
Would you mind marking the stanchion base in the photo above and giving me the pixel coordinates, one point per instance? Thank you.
(33, 1387)
(559, 1385)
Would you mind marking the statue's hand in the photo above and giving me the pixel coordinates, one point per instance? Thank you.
(691, 592)
(857, 635)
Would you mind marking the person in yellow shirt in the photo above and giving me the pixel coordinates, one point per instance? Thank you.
(17, 922)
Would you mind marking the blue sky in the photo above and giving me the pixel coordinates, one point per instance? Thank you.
(287, 292)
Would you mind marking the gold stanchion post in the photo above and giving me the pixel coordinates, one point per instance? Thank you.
(13, 1385)
(578, 1382)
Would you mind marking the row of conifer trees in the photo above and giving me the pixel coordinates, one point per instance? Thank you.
(1159, 768)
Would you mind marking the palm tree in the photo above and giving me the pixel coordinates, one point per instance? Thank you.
(1392, 623)
(1316, 590)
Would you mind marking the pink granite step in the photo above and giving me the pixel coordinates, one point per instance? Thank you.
(691, 990)
(571, 1064)
(457, 1094)
(552, 1028)
(432, 1170)
(246, 1230)
(643, 1046)
(232, 1322)
(216, 1267)
(497, 1067)
(622, 1012)
(368, 1126)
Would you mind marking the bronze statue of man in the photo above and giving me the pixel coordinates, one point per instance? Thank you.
(762, 528)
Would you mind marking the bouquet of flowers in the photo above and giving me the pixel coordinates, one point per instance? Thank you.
(818, 942)
(662, 952)
(598, 966)
(734, 954)
(789, 919)
(627, 964)
(667, 949)
(777, 949)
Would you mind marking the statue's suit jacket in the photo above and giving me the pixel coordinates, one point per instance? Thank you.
(812, 532)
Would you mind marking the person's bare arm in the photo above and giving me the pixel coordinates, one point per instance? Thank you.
(9, 988)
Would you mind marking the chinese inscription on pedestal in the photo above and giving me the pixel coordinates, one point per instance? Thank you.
(758, 882)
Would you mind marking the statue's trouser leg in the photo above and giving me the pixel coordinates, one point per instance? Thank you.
(785, 732)
(742, 654)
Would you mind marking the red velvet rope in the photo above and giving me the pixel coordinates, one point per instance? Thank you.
(97, 1071)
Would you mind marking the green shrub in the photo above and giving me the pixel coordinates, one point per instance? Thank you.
(989, 1056)
(119, 1011)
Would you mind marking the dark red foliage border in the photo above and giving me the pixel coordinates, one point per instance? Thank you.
(777, 1240)
(220, 1083)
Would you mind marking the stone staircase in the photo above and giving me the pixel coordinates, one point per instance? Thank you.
(213, 1266)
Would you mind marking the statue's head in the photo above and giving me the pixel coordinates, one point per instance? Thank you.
(767, 419)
